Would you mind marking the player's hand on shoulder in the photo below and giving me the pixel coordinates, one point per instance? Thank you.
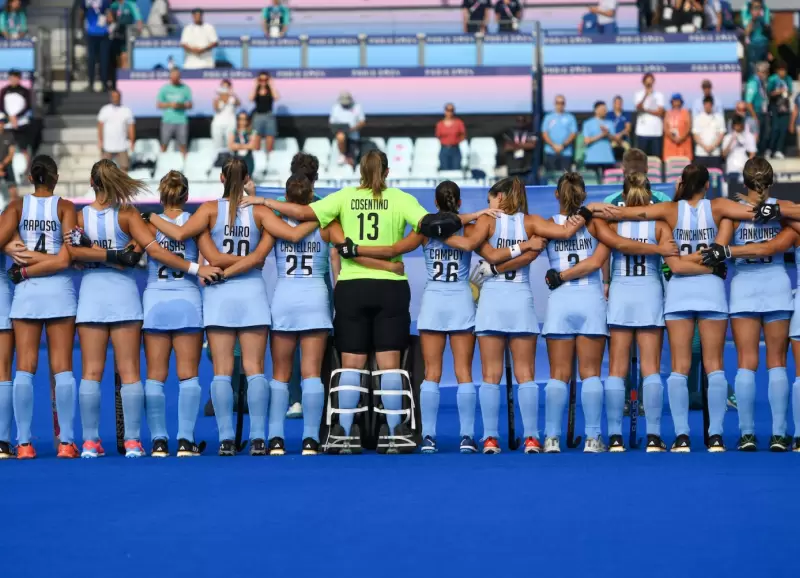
(668, 248)
(398, 268)
(535, 243)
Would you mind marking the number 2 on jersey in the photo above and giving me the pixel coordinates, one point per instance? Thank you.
(368, 224)
(162, 271)
(292, 261)
(242, 247)
(450, 276)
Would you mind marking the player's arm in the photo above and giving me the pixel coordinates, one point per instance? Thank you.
(405, 245)
(495, 256)
(83, 253)
(254, 259)
(207, 248)
(197, 223)
(780, 243)
(336, 236)
(588, 265)
(49, 266)
(473, 238)
(506, 264)
(726, 208)
(551, 230)
(280, 229)
(9, 221)
(470, 217)
(657, 212)
(608, 237)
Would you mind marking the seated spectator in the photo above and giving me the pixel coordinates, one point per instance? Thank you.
(757, 99)
(116, 131)
(476, 15)
(677, 130)
(559, 130)
(225, 104)
(750, 124)
(13, 21)
(198, 41)
(244, 140)
(597, 132)
(649, 118)
(17, 105)
(779, 89)
(708, 129)
(508, 14)
(621, 136)
(7, 150)
(698, 106)
(518, 146)
(737, 147)
(275, 20)
(263, 96)
(346, 121)
(682, 15)
(158, 21)
(757, 33)
(606, 12)
(175, 99)
(450, 131)
(122, 15)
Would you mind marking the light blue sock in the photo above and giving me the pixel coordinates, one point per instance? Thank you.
(592, 404)
(258, 398)
(653, 399)
(429, 404)
(466, 398)
(23, 405)
(156, 409)
(528, 393)
(796, 406)
(89, 404)
(678, 394)
(348, 399)
(222, 398)
(717, 402)
(615, 404)
(278, 401)
(189, 394)
(555, 400)
(313, 403)
(745, 386)
(6, 410)
(132, 408)
(778, 399)
(489, 394)
(392, 382)
(65, 405)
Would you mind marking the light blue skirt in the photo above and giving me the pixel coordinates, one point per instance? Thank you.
(301, 305)
(173, 309)
(5, 302)
(696, 294)
(576, 310)
(794, 325)
(762, 290)
(238, 303)
(44, 298)
(638, 303)
(108, 296)
(506, 308)
(447, 307)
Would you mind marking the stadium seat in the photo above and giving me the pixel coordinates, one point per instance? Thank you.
(286, 145)
(166, 162)
(277, 164)
(612, 176)
(320, 147)
(341, 172)
(427, 146)
(674, 164)
(379, 142)
(146, 149)
(589, 177)
(456, 176)
(199, 163)
(205, 190)
(400, 151)
(20, 166)
(483, 155)
(464, 148)
(260, 163)
(399, 171)
(141, 174)
(201, 144)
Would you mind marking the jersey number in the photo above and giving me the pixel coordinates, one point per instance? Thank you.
(450, 276)
(163, 274)
(292, 261)
(748, 261)
(573, 259)
(242, 247)
(634, 265)
(687, 248)
(365, 223)
(40, 244)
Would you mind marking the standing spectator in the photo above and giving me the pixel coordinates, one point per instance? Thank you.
(779, 87)
(606, 12)
(794, 123)
(98, 45)
(346, 121)
(757, 99)
(559, 130)
(508, 15)
(518, 146)
(13, 21)
(750, 123)
(699, 105)
(158, 21)
(7, 150)
(244, 140)
(17, 106)
(116, 131)
(621, 135)
(476, 15)
(275, 20)
(264, 96)
(737, 147)
(450, 131)
(225, 104)
(597, 132)
(122, 15)
(198, 41)
(708, 129)
(677, 130)
(757, 32)
(649, 118)
(175, 99)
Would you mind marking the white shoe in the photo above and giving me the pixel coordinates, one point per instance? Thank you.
(552, 445)
(778, 155)
(295, 411)
(594, 445)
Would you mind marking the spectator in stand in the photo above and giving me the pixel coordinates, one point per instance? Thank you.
(757, 99)
(17, 106)
(719, 15)
(122, 15)
(244, 140)
(158, 21)
(649, 118)
(13, 21)
(597, 133)
(476, 15)
(508, 15)
(677, 130)
(750, 123)
(708, 129)
(7, 150)
(559, 130)
(275, 20)
(175, 99)
(346, 121)
(699, 105)
(98, 44)
(606, 12)
(518, 146)
(737, 147)
(116, 131)
(198, 41)
(794, 123)
(264, 96)
(450, 131)
(779, 88)
(757, 32)
(621, 136)
(225, 104)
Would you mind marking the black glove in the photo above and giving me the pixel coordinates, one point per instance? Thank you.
(348, 249)
(767, 212)
(79, 238)
(439, 225)
(720, 271)
(16, 274)
(146, 216)
(126, 257)
(586, 214)
(553, 279)
(666, 271)
(715, 254)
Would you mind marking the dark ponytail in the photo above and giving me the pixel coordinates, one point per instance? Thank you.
(448, 196)
(758, 177)
(44, 172)
(234, 174)
(693, 181)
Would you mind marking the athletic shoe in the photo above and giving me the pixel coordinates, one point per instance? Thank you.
(310, 447)
(295, 411)
(134, 449)
(93, 449)
(747, 443)
(655, 444)
(160, 448)
(594, 445)
(25, 452)
(6, 451)
(796, 446)
(258, 447)
(429, 445)
(227, 448)
(67, 451)
(187, 449)
(552, 445)
(490, 446)
(716, 445)
(682, 445)
(532, 446)
(468, 445)
(615, 444)
(780, 443)
(276, 447)
(778, 156)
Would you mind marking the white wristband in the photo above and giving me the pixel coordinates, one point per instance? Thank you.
(193, 269)
(515, 251)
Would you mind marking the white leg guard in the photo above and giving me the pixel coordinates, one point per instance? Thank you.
(401, 440)
(336, 441)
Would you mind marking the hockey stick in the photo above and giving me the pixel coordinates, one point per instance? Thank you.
(513, 440)
(704, 392)
(56, 427)
(635, 383)
(572, 441)
(119, 414)
(242, 392)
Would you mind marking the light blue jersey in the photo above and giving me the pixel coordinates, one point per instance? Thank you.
(162, 277)
(566, 253)
(696, 228)
(445, 264)
(238, 239)
(307, 258)
(447, 303)
(636, 265)
(509, 230)
(39, 225)
(794, 326)
(750, 232)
